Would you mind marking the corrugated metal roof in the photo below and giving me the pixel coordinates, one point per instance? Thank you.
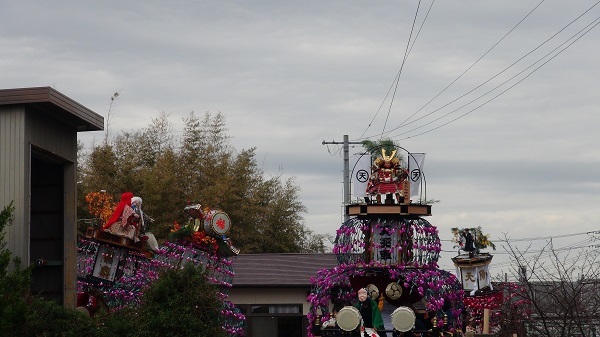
(283, 270)
(55, 103)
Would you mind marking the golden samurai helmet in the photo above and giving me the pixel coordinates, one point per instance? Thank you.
(387, 159)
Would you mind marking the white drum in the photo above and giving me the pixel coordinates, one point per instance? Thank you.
(403, 319)
(348, 318)
(216, 223)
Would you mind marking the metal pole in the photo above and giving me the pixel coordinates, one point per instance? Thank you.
(346, 147)
(346, 173)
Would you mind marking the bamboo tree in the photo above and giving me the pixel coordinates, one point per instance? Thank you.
(201, 167)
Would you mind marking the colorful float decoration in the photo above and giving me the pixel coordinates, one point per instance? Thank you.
(389, 249)
(118, 258)
(473, 269)
(112, 269)
(203, 242)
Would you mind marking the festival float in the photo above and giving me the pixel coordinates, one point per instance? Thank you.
(482, 302)
(118, 256)
(388, 249)
(203, 242)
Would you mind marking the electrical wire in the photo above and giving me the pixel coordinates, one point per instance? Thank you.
(396, 78)
(545, 254)
(577, 245)
(548, 263)
(472, 65)
(501, 93)
(404, 123)
(542, 237)
(552, 237)
(510, 66)
(455, 80)
(488, 80)
(401, 67)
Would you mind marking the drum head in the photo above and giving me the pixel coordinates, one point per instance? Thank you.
(373, 291)
(403, 319)
(348, 318)
(393, 291)
(217, 222)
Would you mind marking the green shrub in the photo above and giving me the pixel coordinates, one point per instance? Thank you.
(14, 282)
(47, 318)
(22, 314)
(181, 303)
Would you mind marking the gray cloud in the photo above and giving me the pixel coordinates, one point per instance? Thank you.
(288, 75)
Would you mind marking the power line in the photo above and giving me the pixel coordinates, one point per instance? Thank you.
(397, 77)
(461, 75)
(471, 66)
(580, 245)
(544, 254)
(401, 67)
(504, 91)
(552, 237)
(543, 260)
(404, 123)
(421, 27)
(521, 58)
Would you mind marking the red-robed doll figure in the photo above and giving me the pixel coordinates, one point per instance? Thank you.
(124, 221)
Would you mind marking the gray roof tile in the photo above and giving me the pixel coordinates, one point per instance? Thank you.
(279, 270)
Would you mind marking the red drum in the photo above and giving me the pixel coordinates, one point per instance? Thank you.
(216, 223)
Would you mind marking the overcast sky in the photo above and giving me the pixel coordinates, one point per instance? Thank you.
(505, 110)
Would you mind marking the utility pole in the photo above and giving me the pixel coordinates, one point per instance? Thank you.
(346, 147)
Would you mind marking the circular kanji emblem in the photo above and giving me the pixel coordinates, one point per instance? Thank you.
(362, 176)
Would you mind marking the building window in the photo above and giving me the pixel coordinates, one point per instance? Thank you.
(276, 309)
(274, 320)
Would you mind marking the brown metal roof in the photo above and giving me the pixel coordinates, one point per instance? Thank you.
(50, 101)
(279, 270)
